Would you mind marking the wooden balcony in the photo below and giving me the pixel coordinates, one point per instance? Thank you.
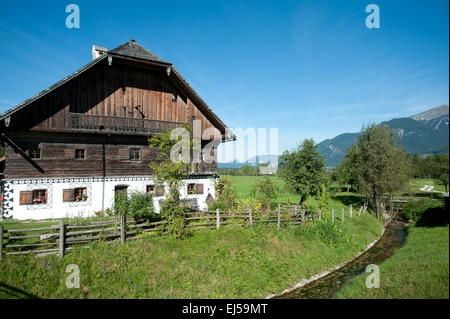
(203, 169)
(117, 125)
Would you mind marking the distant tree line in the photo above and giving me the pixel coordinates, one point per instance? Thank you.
(246, 170)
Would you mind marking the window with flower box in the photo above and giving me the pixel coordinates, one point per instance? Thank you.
(34, 197)
(78, 194)
(195, 189)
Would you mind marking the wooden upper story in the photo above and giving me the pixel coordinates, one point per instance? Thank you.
(125, 95)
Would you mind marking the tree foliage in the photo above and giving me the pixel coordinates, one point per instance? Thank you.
(303, 170)
(379, 165)
(170, 172)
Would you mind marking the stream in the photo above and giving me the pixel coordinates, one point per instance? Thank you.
(393, 238)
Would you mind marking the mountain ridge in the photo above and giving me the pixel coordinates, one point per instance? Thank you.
(422, 133)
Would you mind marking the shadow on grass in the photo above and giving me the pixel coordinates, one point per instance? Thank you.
(432, 217)
(7, 291)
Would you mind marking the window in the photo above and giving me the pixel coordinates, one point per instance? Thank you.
(150, 189)
(35, 152)
(193, 189)
(78, 194)
(39, 196)
(80, 153)
(134, 153)
(34, 197)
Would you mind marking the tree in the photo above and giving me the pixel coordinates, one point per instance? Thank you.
(380, 166)
(344, 172)
(440, 169)
(265, 191)
(170, 169)
(303, 170)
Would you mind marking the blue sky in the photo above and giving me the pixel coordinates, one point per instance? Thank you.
(309, 68)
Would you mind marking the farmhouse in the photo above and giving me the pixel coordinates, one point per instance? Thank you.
(71, 147)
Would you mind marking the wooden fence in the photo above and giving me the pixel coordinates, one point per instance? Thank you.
(61, 238)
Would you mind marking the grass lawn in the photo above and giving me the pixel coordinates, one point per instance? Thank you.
(417, 183)
(338, 200)
(419, 269)
(226, 263)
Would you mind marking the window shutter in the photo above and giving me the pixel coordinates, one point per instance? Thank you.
(68, 195)
(26, 197)
(159, 190)
(199, 188)
(124, 153)
(146, 153)
(69, 153)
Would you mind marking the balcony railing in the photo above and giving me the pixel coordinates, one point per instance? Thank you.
(120, 125)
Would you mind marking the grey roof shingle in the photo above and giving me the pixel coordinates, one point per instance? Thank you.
(132, 49)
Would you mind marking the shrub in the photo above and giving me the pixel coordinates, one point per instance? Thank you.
(415, 209)
(121, 204)
(226, 196)
(265, 191)
(141, 206)
(174, 213)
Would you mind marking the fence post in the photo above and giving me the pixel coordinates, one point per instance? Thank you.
(351, 211)
(332, 215)
(217, 218)
(278, 216)
(360, 209)
(62, 239)
(1, 241)
(342, 213)
(303, 217)
(251, 217)
(123, 223)
(320, 214)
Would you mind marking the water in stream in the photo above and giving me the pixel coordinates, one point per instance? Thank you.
(393, 238)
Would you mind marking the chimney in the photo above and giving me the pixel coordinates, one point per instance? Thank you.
(97, 51)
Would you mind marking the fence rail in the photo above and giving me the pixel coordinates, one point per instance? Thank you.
(61, 238)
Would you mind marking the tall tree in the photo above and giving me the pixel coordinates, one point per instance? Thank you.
(303, 170)
(380, 166)
(344, 172)
(440, 169)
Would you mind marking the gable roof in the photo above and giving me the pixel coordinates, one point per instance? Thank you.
(51, 88)
(131, 50)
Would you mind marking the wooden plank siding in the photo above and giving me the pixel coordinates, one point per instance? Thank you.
(113, 90)
(58, 152)
(94, 96)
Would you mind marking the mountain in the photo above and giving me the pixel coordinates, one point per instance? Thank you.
(423, 133)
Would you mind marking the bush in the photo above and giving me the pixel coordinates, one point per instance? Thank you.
(121, 204)
(415, 209)
(141, 206)
(175, 215)
(265, 191)
(225, 195)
